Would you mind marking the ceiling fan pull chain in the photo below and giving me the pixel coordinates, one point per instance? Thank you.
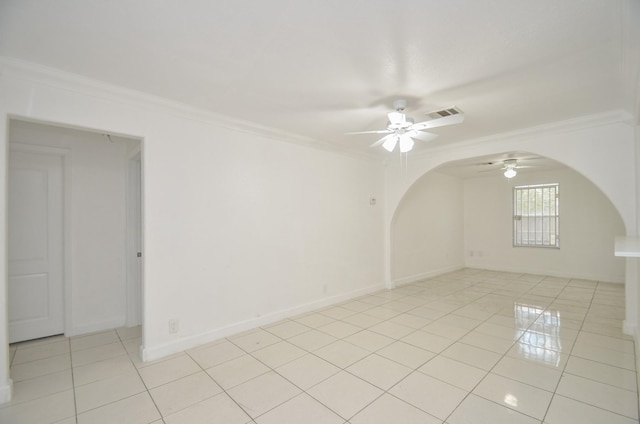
(404, 161)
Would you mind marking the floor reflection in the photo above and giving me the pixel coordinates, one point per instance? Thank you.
(538, 333)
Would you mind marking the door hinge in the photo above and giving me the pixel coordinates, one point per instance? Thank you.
(139, 254)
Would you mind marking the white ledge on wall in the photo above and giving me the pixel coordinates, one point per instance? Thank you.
(628, 247)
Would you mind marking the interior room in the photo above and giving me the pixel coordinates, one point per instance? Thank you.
(280, 211)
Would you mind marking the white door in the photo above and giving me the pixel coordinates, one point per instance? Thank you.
(36, 301)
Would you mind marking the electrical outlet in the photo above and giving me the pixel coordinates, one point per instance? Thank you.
(174, 326)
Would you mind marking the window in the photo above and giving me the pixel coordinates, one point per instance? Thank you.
(536, 215)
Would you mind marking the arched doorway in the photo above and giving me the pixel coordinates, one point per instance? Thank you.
(460, 215)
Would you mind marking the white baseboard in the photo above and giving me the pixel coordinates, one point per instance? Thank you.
(6, 390)
(424, 275)
(633, 331)
(156, 352)
(545, 272)
(96, 326)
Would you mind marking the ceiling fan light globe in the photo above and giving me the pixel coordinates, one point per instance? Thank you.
(406, 144)
(510, 173)
(390, 144)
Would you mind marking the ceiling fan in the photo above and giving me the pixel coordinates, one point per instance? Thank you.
(401, 129)
(510, 168)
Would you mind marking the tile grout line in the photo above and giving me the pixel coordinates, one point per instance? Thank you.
(407, 311)
(505, 354)
(148, 392)
(495, 291)
(220, 385)
(370, 353)
(73, 384)
(302, 391)
(436, 354)
(532, 323)
(95, 362)
(470, 392)
(569, 357)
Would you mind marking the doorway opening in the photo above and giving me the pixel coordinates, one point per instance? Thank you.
(82, 266)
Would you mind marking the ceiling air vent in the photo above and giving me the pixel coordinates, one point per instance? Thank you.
(444, 112)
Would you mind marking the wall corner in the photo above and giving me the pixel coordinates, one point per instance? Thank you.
(6, 391)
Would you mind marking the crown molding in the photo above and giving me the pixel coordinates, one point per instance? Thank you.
(32, 72)
(77, 83)
(570, 125)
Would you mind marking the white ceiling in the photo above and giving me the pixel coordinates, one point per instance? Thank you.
(321, 68)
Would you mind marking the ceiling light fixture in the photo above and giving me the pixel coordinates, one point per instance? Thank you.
(406, 143)
(510, 166)
(402, 130)
(510, 172)
(390, 143)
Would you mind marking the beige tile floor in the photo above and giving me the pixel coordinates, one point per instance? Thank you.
(466, 347)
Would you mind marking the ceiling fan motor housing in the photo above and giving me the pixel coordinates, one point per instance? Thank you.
(398, 121)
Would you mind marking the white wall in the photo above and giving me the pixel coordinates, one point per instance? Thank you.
(588, 225)
(240, 228)
(427, 229)
(95, 219)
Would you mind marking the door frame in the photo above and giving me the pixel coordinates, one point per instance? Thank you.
(64, 155)
(134, 238)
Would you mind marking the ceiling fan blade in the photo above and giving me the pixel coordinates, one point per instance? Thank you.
(370, 132)
(382, 140)
(438, 122)
(424, 136)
